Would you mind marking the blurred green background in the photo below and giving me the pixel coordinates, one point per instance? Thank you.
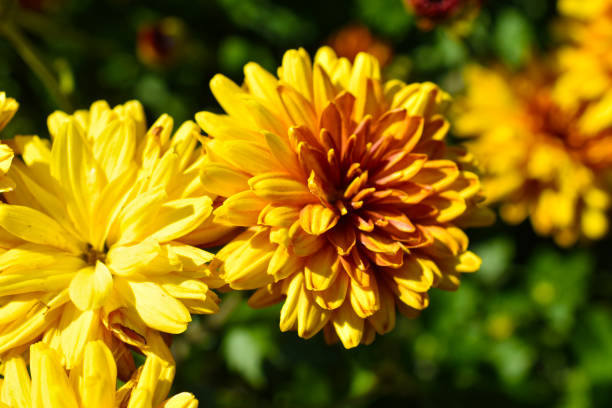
(532, 328)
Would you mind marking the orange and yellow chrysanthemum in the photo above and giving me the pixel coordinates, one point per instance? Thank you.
(350, 199)
(91, 383)
(585, 61)
(539, 159)
(8, 108)
(97, 235)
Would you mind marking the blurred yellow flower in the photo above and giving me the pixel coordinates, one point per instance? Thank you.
(90, 384)
(585, 62)
(97, 235)
(537, 157)
(350, 197)
(8, 108)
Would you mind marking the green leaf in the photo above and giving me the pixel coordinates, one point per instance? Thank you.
(512, 37)
(245, 350)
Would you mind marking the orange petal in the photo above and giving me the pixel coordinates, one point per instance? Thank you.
(377, 242)
(342, 237)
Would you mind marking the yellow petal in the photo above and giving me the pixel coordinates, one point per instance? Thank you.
(156, 376)
(415, 274)
(223, 180)
(146, 257)
(249, 157)
(280, 187)
(311, 318)
(82, 180)
(324, 91)
(180, 217)
(365, 67)
(182, 400)
(289, 311)
(21, 332)
(383, 320)
(334, 296)
(155, 306)
(300, 110)
(262, 84)
(297, 72)
(438, 174)
(349, 326)
(137, 215)
(91, 286)
(16, 387)
(184, 288)
(278, 216)
(115, 148)
(286, 156)
(449, 204)
(36, 227)
(240, 209)
(224, 128)
(365, 301)
(50, 385)
(321, 269)
(247, 267)
(468, 262)
(316, 219)
(76, 330)
(99, 376)
(16, 307)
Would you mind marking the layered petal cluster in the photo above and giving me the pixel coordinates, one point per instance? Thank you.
(91, 383)
(97, 236)
(348, 194)
(8, 108)
(540, 159)
(585, 61)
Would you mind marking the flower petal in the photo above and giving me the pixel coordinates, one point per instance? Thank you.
(91, 286)
(316, 219)
(34, 226)
(154, 305)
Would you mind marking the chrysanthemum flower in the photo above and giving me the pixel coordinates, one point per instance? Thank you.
(538, 158)
(8, 108)
(90, 384)
(349, 194)
(96, 236)
(585, 61)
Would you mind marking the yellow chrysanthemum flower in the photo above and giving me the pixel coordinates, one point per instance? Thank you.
(8, 108)
(97, 235)
(90, 384)
(585, 62)
(347, 189)
(537, 159)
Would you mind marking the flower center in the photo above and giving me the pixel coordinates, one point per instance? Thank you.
(92, 255)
